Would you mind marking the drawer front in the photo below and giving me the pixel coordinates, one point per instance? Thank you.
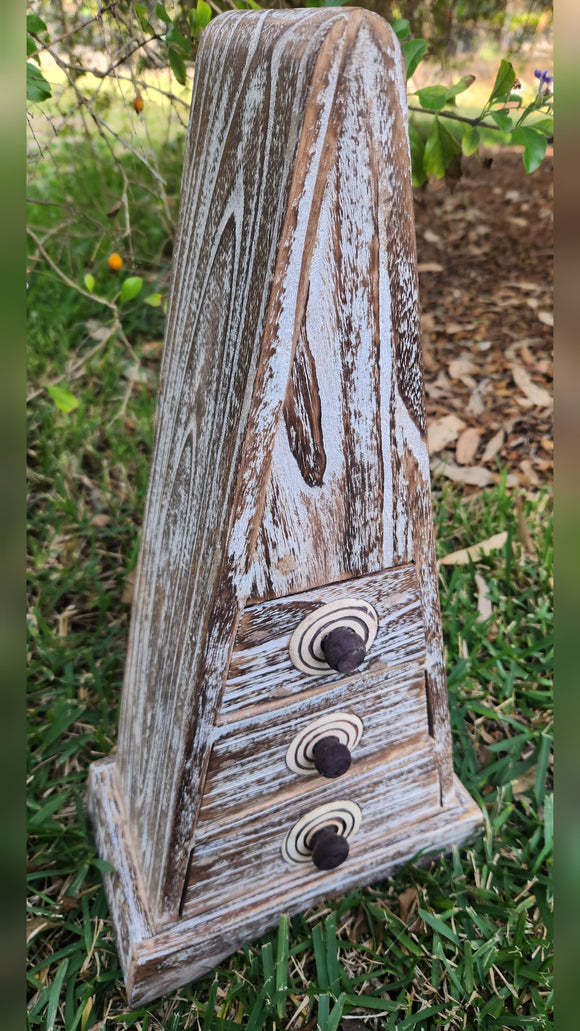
(248, 762)
(261, 672)
(241, 854)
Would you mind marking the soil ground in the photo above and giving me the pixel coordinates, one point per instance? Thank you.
(485, 272)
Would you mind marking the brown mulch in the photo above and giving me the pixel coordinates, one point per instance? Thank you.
(485, 274)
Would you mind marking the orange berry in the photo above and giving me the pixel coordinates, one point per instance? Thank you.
(115, 261)
(138, 103)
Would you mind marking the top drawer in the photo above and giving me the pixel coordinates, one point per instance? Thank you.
(262, 673)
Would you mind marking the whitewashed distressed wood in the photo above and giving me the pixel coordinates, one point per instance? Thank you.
(290, 468)
(261, 670)
(248, 762)
(393, 789)
(157, 963)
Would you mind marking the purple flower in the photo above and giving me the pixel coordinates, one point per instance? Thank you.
(545, 81)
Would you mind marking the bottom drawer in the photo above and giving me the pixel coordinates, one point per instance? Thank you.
(241, 856)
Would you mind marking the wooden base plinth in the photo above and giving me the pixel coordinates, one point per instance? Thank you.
(158, 960)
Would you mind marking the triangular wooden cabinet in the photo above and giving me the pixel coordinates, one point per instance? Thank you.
(284, 728)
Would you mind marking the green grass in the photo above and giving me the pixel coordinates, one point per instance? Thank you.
(462, 942)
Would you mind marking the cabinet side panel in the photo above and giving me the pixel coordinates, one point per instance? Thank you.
(252, 80)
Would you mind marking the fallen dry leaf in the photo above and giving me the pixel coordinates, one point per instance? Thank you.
(443, 431)
(461, 366)
(467, 446)
(64, 620)
(429, 266)
(484, 606)
(38, 924)
(537, 395)
(100, 520)
(127, 596)
(527, 474)
(546, 318)
(474, 475)
(523, 529)
(99, 332)
(493, 446)
(475, 551)
(522, 785)
(407, 900)
(477, 403)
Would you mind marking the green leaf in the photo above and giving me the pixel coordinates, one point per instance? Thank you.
(64, 401)
(89, 282)
(471, 140)
(440, 149)
(502, 120)
(131, 287)
(54, 995)
(421, 1016)
(177, 65)
(336, 1013)
(177, 39)
(504, 80)
(162, 14)
(417, 143)
(199, 18)
(37, 88)
(103, 865)
(434, 97)
(439, 925)
(154, 300)
(460, 86)
(401, 28)
(282, 951)
(545, 125)
(143, 17)
(534, 144)
(35, 24)
(31, 47)
(414, 51)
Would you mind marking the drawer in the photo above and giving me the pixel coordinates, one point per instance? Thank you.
(241, 854)
(261, 672)
(248, 761)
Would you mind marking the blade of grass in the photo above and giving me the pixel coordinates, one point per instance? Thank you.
(282, 951)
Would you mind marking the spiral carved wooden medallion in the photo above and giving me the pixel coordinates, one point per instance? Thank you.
(344, 726)
(306, 642)
(346, 816)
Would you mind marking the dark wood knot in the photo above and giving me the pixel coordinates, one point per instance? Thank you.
(343, 649)
(329, 848)
(331, 757)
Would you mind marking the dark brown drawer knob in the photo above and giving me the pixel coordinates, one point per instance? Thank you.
(343, 649)
(329, 848)
(331, 757)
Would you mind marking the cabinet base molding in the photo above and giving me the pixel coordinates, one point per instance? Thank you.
(157, 960)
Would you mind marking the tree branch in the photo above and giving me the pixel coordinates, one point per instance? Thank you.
(65, 278)
(457, 118)
(71, 32)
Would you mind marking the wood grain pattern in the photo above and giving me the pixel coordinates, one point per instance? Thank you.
(160, 962)
(261, 672)
(395, 789)
(247, 765)
(289, 469)
(239, 164)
